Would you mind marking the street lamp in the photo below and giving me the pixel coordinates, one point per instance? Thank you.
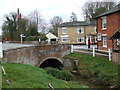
(22, 35)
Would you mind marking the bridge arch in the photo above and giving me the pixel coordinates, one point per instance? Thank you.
(51, 62)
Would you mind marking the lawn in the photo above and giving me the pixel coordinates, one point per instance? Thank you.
(97, 69)
(26, 76)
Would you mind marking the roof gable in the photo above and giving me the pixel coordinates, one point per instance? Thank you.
(116, 35)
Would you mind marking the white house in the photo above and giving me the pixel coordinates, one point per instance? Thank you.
(52, 39)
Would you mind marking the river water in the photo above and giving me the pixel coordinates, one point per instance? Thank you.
(86, 82)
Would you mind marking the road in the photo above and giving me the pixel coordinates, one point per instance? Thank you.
(83, 46)
(6, 46)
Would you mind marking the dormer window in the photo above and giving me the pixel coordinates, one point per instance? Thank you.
(104, 23)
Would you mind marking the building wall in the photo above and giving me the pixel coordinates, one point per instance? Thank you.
(113, 23)
(73, 35)
(116, 57)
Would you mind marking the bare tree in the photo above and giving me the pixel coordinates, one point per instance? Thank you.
(93, 9)
(73, 17)
(55, 21)
(36, 18)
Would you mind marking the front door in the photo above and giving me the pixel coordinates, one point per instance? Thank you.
(87, 39)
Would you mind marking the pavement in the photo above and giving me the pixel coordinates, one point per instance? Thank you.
(83, 46)
(6, 46)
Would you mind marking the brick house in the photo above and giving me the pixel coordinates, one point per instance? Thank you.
(107, 24)
(77, 32)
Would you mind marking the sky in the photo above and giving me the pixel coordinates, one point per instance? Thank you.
(47, 8)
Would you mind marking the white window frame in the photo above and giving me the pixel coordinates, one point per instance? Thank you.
(82, 41)
(104, 23)
(104, 41)
(64, 39)
(64, 32)
(82, 30)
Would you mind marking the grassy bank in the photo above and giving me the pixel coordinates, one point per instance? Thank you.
(26, 76)
(97, 69)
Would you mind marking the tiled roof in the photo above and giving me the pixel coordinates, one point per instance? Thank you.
(78, 23)
(113, 10)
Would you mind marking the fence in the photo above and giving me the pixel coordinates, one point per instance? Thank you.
(93, 51)
(1, 51)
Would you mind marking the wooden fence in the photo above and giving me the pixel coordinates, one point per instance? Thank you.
(93, 51)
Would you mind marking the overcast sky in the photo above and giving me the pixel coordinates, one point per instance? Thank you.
(47, 8)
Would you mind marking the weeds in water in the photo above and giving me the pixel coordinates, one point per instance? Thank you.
(64, 75)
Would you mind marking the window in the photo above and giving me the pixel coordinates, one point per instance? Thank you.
(104, 23)
(118, 42)
(64, 39)
(64, 31)
(104, 41)
(80, 30)
(80, 39)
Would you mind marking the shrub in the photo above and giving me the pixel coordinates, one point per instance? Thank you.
(64, 75)
(36, 38)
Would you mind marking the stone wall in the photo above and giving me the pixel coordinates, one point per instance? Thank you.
(35, 55)
(116, 57)
(24, 55)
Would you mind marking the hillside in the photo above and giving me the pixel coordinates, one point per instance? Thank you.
(26, 76)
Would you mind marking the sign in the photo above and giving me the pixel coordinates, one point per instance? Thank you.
(99, 37)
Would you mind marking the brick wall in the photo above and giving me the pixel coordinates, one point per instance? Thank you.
(116, 57)
(113, 23)
(73, 35)
(34, 55)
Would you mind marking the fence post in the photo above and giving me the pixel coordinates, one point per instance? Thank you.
(71, 48)
(1, 51)
(93, 51)
(109, 52)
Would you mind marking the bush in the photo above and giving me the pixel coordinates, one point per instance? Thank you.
(64, 75)
(36, 38)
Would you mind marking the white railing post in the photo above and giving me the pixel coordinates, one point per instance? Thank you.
(93, 51)
(71, 48)
(109, 52)
(1, 51)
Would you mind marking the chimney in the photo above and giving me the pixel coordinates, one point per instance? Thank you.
(88, 19)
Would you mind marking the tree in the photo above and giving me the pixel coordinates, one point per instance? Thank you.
(10, 25)
(36, 18)
(73, 17)
(93, 9)
(55, 21)
(32, 30)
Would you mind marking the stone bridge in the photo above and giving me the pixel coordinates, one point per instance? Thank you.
(40, 56)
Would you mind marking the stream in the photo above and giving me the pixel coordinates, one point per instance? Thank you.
(83, 81)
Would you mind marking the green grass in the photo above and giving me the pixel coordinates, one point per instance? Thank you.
(97, 68)
(26, 76)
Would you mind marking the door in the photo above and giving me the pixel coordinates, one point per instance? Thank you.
(87, 40)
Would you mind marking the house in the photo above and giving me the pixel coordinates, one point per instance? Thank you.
(107, 24)
(77, 32)
(52, 39)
